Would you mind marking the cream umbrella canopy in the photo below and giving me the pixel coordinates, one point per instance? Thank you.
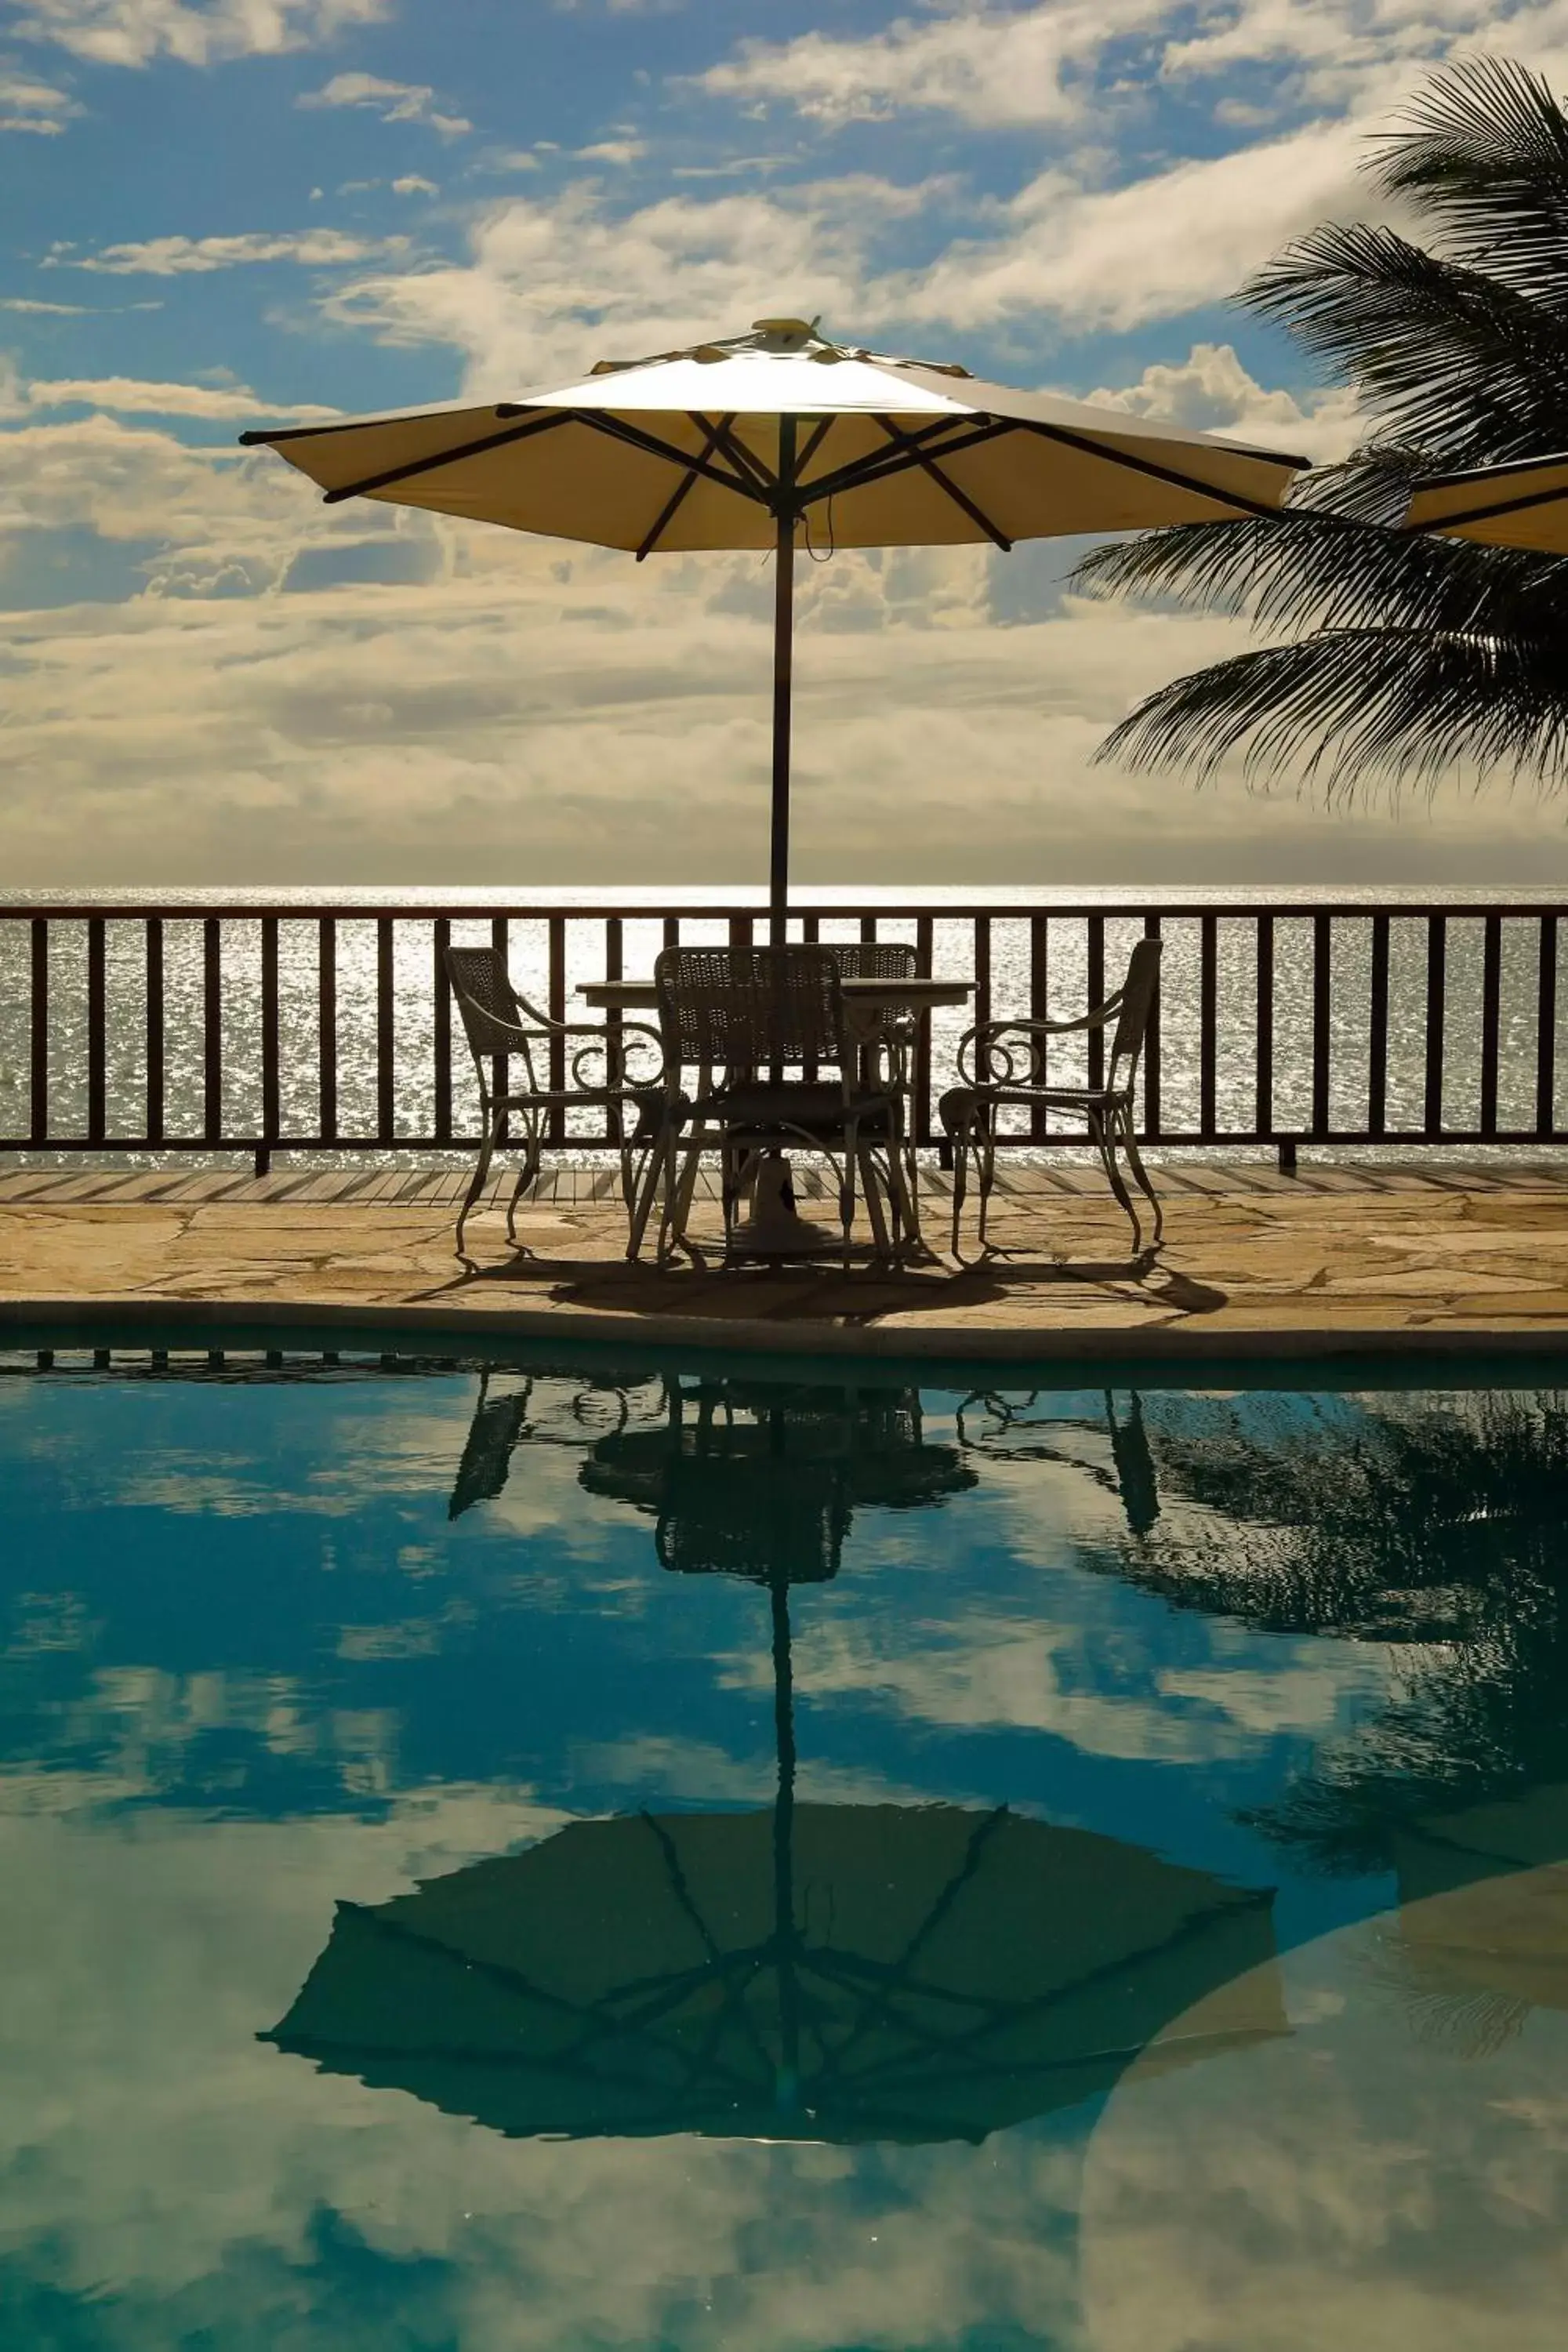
(1523, 506)
(782, 439)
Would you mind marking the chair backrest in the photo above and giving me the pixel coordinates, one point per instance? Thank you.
(1138, 993)
(877, 960)
(485, 999)
(741, 1009)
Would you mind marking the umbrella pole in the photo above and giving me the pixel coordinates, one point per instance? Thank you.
(783, 684)
(786, 2081)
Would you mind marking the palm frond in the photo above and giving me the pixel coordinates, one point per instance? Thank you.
(1350, 707)
(1483, 153)
(1445, 357)
(1309, 568)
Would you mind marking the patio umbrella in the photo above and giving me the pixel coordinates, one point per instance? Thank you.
(1497, 506)
(920, 1973)
(781, 439)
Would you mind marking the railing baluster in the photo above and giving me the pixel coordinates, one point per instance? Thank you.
(1436, 1005)
(615, 1020)
(327, 1020)
(1491, 1020)
(1095, 979)
(500, 944)
(1546, 1030)
(1209, 1022)
(96, 1044)
(1263, 1068)
(982, 980)
(868, 931)
(212, 1024)
(271, 1083)
(154, 1029)
(1377, 1031)
(1322, 1020)
(925, 950)
(385, 1038)
(38, 1074)
(1040, 1010)
(441, 1029)
(556, 1005)
(1151, 1052)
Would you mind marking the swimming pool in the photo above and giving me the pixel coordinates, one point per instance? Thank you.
(509, 1856)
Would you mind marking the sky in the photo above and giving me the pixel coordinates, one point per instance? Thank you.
(229, 213)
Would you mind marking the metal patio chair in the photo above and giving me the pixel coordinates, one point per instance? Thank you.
(496, 1021)
(1004, 1062)
(738, 1017)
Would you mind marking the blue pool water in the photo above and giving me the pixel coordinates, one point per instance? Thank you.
(523, 1858)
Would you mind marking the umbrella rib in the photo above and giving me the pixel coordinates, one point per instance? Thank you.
(1087, 448)
(961, 498)
(859, 472)
(683, 1894)
(406, 473)
(713, 433)
(747, 464)
(813, 442)
(615, 428)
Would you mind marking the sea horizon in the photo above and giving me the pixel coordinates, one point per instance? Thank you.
(807, 896)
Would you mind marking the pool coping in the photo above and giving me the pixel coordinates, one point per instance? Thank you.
(1479, 1352)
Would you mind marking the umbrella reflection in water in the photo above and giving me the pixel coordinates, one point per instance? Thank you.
(823, 1972)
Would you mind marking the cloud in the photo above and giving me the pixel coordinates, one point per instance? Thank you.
(395, 102)
(412, 184)
(35, 106)
(989, 66)
(1066, 63)
(620, 152)
(550, 285)
(1210, 390)
(135, 32)
(129, 395)
(179, 256)
(478, 701)
(1117, 258)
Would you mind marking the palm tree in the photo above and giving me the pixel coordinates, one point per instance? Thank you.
(1433, 1528)
(1405, 653)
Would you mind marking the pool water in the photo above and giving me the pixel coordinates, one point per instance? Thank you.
(532, 1858)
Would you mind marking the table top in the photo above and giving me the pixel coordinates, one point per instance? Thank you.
(919, 994)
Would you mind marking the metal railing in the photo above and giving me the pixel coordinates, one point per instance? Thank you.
(162, 1029)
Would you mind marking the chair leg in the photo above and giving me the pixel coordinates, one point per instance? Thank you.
(680, 1191)
(477, 1181)
(959, 1181)
(640, 1185)
(1105, 1137)
(986, 1164)
(847, 1185)
(1140, 1177)
(870, 1181)
(531, 1156)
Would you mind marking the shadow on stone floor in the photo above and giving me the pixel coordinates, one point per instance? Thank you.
(806, 1293)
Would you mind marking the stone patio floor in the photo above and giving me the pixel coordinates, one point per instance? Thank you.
(1339, 1259)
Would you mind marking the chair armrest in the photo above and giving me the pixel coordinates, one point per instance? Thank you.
(617, 1045)
(1016, 1044)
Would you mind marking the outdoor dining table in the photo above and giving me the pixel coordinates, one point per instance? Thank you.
(869, 1005)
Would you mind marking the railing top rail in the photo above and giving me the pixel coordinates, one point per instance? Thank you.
(722, 909)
